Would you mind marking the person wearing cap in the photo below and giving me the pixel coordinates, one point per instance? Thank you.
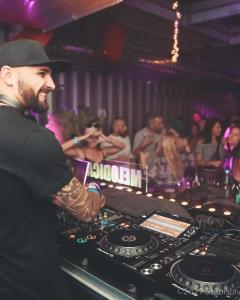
(34, 178)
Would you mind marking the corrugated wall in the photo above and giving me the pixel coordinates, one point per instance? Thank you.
(131, 95)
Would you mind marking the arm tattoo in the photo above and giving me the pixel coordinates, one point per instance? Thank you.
(75, 199)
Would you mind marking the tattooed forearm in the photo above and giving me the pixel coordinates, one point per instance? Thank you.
(77, 201)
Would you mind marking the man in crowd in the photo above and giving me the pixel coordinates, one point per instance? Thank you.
(147, 139)
(34, 177)
(119, 132)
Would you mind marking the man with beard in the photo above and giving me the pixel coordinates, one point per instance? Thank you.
(146, 140)
(34, 178)
(118, 130)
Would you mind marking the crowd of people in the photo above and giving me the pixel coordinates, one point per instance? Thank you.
(168, 152)
(35, 177)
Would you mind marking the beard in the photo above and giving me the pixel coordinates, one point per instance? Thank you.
(31, 98)
(123, 133)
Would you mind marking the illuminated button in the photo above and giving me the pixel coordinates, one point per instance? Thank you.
(149, 195)
(72, 236)
(81, 240)
(129, 189)
(212, 209)
(172, 200)
(184, 203)
(156, 266)
(196, 251)
(198, 206)
(147, 271)
(103, 183)
(227, 213)
(91, 237)
(138, 192)
(111, 185)
(119, 187)
(160, 197)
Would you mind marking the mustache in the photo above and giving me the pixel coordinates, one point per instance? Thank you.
(45, 90)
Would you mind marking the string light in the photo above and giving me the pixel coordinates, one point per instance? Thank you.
(175, 48)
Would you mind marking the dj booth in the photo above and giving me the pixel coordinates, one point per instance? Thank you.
(164, 246)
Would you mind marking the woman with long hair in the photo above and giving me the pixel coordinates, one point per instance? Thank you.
(170, 167)
(210, 153)
(194, 136)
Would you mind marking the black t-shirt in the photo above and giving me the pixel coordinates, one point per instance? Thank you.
(32, 168)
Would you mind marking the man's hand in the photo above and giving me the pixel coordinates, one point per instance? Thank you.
(75, 199)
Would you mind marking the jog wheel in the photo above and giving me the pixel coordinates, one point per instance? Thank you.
(206, 275)
(129, 242)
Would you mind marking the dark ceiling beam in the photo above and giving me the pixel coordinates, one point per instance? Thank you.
(152, 8)
(204, 5)
(219, 9)
(235, 40)
(235, 30)
(213, 33)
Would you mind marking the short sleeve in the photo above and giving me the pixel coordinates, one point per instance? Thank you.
(42, 164)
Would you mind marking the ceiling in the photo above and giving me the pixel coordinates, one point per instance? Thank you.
(209, 37)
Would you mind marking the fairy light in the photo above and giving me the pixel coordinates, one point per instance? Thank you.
(175, 50)
(175, 47)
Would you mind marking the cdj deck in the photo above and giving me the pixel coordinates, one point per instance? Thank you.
(155, 256)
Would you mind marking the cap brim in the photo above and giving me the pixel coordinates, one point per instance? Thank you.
(57, 66)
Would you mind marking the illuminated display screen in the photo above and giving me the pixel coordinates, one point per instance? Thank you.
(165, 225)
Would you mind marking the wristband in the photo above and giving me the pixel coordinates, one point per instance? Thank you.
(94, 188)
(75, 140)
(94, 185)
(91, 190)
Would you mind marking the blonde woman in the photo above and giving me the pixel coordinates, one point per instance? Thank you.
(170, 167)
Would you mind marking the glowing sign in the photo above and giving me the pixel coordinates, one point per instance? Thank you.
(116, 174)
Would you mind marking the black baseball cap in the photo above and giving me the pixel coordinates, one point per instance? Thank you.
(26, 52)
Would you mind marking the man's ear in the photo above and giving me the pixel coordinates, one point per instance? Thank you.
(8, 76)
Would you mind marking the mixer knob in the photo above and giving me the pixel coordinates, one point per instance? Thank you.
(100, 216)
(156, 266)
(147, 271)
(105, 214)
